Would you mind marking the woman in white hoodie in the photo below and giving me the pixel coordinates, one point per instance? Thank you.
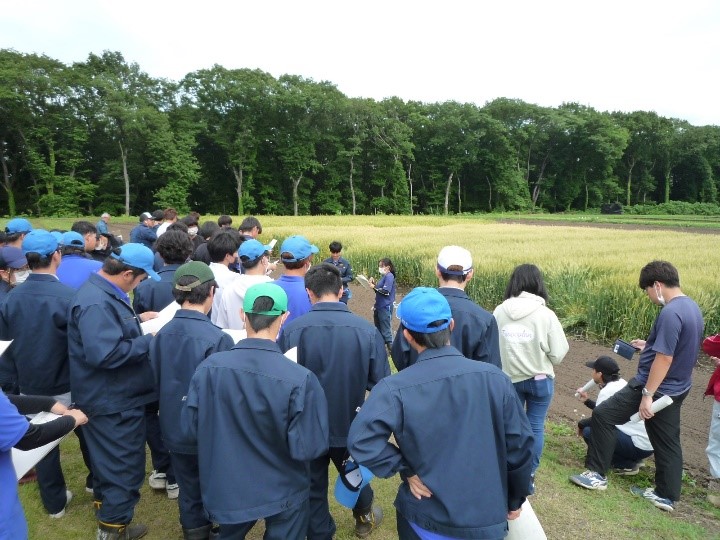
(532, 341)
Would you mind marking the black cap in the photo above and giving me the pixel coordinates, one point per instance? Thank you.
(605, 365)
(158, 215)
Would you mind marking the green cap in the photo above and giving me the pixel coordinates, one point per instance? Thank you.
(196, 269)
(278, 295)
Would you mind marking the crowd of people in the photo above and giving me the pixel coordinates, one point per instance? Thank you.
(239, 432)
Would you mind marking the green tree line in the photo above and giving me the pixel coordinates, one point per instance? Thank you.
(102, 135)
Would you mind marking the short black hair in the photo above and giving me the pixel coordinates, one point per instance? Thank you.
(174, 247)
(387, 262)
(207, 229)
(177, 226)
(113, 267)
(73, 250)
(83, 227)
(249, 223)
(431, 341)
(457, 278)
(248, 264)
(261, 322)
(323, 279)
(222, 243)
(190, 220)
(37, 261)
(335, 247)
(661, 271)
(526, 278)
(294, 265)
(224, 221)
(169, 213)
(196, 295)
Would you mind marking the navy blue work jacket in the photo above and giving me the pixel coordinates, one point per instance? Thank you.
(475, 334)
(460, 427)
(258, 418)
(142, 234)
(153, 295)
(35, 315)
(175, 353)
(345, 352)
(109, 367)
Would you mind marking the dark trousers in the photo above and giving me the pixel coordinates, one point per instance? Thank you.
(187, 474)
(159, 456)
(117, 450)
(626, 454)
(51, 482)
(288, 525)
(322, 525)
(86, 459)
(663, 431)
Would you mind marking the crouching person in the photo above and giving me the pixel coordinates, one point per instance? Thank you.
(462, 442)
(257, 418)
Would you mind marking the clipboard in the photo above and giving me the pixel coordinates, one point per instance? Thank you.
(364, 281)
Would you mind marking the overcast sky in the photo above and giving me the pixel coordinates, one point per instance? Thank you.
(612, 55)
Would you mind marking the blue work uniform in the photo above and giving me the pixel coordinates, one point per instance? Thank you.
(175, 353)
(348, 356)
(112, 381)
(102, 227)
(257, 418)
(142, 234)
(13, 427)
(475, 333)
(384, 301)
(153, 295)
(346, 274)
(298, 299)
(460, 427)
(74, 270)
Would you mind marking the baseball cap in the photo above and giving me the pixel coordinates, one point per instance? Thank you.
(422, 307)
(196, 269)
(138, 256)
(145, 215)
(604, 365)
(12, 257)
(39, 241)
(72, 239)
(711, 345)
(299, 247)
(18, 225)
(275, 292)
(350, 483)
(252, 250)
(158, 215)
(454, 256)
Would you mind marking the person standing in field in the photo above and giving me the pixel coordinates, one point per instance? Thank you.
(532, 342)
(667, 359)
(342, 264)
(476, 331)
(462, 443)
(713, 448)
(384, 299)
(296, 254)
(102, 225)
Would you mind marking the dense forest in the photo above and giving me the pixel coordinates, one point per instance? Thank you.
(102, 135)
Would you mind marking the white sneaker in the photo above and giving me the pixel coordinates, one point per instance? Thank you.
(157, 480)
(173, 491)
(61, 513)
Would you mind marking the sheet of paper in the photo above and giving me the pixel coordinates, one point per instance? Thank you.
(24, 460)
(236, 335)
(271, 244)
(363, 281)
(4, 345)
(164, 317)
(292, 354)
(527, 526)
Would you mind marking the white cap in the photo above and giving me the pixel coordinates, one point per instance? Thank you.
(454, 256)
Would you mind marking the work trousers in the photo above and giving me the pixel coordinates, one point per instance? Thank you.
(159, 456)
(288, 525)
(187, 474)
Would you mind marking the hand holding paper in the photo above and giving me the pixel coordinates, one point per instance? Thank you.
(657, 406)
(588, 386)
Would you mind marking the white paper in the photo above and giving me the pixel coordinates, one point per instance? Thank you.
(4, 345)
(235, 334)
(588, 386)
(527, 526)
(292, 354)
(24, 460)
(164, 317)
(363, 281)
(658, 405)
(271, 245)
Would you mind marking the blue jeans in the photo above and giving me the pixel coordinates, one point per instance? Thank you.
(383, 322)
(535, 396)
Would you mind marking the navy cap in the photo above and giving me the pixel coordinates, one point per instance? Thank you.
(605, 365)
(252, 250)
(422, 307)
(73, 239)
(299, 247)
(138, 256)
(39, 241)
(12, 257)
(351, 482)
(18, 225)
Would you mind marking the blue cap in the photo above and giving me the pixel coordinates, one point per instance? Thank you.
(252, 250)
(12, 257)
(18, 225)
(299, 247)
(138, 256)
(58, 236)
(422, 307)
(350, 483)
(39, 241)
(73, 239)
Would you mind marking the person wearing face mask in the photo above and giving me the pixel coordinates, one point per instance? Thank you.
(255, 380)
(255, 263)
(665, 368)
(384, 299)
(13, 265)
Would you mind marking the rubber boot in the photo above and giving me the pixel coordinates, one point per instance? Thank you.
(199, 533)
(119, 531)
(367, 520)
(214, 532)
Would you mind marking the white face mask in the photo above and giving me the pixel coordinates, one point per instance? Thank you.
(382, 270)
(21, 276)
(192, 231)
(660, 297)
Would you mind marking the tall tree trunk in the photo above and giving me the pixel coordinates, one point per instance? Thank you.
(295, 184)
(536, 188)
(667, 184)
(490, 207)
(7, 181)
(238, 173)
(447, 192)
(631, 166)
(459, 196)
(410, 182)
(126, 178)
(352, 187)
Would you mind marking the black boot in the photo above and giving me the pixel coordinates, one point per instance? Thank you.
(214, 532)
(367, 520)
(115, 531)
(199, 533)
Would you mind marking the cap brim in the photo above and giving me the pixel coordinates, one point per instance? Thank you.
(347, 497)
(590, 364)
